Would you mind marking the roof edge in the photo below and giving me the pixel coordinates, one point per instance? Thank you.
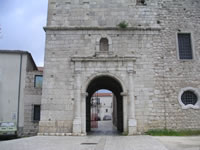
(20, 52)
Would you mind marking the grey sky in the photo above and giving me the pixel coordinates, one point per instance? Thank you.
(22, 23)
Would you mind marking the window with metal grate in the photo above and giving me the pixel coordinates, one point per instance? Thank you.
(189, 97)
(141, 2)
(185, 46)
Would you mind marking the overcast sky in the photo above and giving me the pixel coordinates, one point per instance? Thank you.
(22, 23)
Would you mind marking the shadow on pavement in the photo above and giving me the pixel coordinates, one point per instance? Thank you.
(7, 138)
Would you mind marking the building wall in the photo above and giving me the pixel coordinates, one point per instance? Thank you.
(9, 83)
(14, 88)
(32, 96)
(59, 80)
(98, 13)
(9, 100)
(150, 39)
(105, 104)
(180, 17)
(105, 107)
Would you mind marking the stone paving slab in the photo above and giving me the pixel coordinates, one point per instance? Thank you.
(83, 143)
(180, 143)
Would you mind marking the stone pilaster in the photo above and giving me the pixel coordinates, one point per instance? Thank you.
(83, 112)
(77, 119)
(132, 123)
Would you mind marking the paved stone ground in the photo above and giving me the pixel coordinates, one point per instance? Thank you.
(104, 128)
(83, 143)
(102, 143)
(180, 143)
(103, 138)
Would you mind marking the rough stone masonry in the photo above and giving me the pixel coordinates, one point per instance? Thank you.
(140, 63)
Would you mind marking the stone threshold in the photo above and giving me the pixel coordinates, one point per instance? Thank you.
(61, 134)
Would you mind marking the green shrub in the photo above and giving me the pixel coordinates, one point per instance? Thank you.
(123, 25)
(124, 133)
(166, 132)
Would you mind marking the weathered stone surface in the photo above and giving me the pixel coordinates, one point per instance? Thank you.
(74, 30)
(32, 96)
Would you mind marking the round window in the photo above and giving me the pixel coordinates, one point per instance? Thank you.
(189, 97)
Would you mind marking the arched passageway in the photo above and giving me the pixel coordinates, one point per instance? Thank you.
(113, 85)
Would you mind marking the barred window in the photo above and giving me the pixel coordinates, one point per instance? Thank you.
(141, 2)
(189, 97)
(185, 46)
(104, 45)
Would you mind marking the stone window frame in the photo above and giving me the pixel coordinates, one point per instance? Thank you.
(192, 46)
(110, 49)
(196, 92)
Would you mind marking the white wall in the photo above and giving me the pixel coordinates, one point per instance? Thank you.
(9, 85)
(105, 103)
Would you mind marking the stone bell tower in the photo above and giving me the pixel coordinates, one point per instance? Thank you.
(106, 44)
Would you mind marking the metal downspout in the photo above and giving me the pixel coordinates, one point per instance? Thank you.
(19, 92)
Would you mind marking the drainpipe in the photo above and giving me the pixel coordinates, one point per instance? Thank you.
(19, 92)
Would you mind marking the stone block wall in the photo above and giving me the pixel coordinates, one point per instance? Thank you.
(32, 96)
(180, 17)
(59, 80)
(100, 13)
(74, 29)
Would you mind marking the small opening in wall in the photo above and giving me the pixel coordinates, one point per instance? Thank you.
(36, 114)
(104, 46)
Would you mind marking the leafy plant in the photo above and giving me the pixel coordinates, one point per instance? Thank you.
(123, 24)
(124, 133)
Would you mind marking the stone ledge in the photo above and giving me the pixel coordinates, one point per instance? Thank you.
(102, 59)
(104, 28)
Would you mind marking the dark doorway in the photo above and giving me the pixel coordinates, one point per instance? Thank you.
(111, 84)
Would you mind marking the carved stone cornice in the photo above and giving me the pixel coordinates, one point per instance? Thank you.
(103, 59)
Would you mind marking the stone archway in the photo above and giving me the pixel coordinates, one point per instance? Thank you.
(84, 80)
(109, 83)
